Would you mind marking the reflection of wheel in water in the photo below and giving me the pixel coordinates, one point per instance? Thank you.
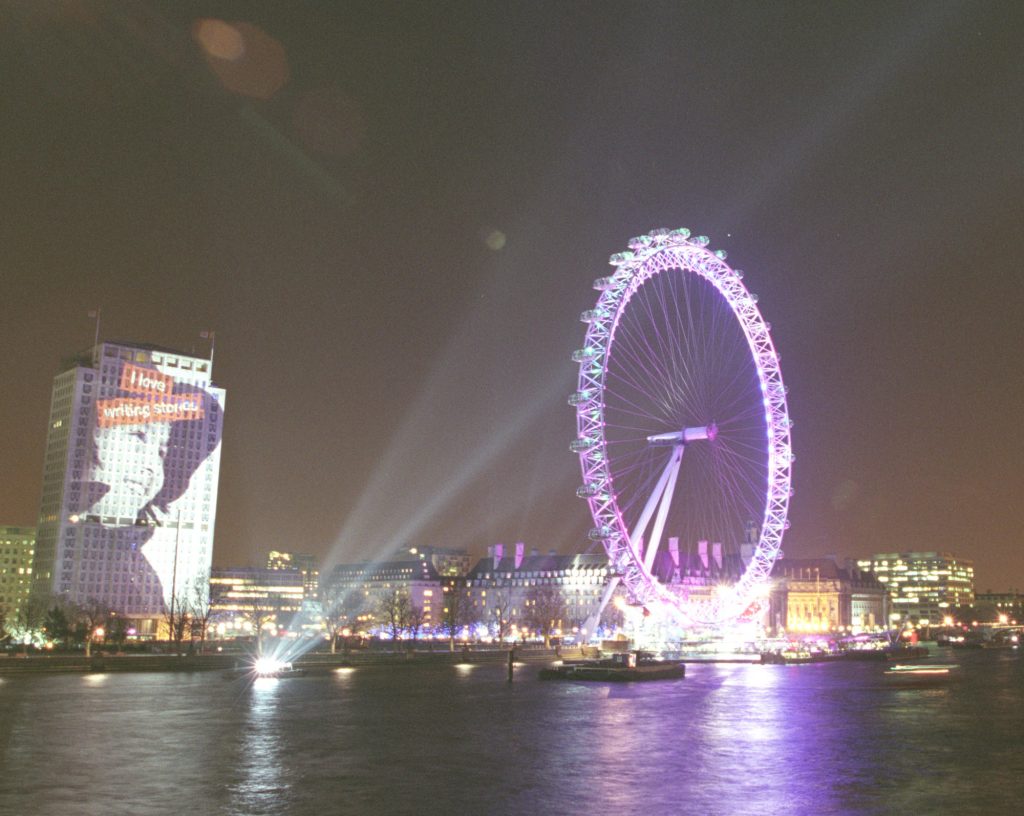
(682, 428)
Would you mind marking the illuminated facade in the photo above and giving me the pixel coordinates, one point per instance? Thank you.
(819, 595)
(502, 585)
(243, 598)
(364, 587)
(1010, 604)
(130, 480)
(17, 552)
(304, 563)
(923, 586)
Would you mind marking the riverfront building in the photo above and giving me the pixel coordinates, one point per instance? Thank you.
(130, 480)
(304, 563)
(819, 595)
(516, 592)
(923, 586)
(246, 599)
(1010, 604)
(17, 552)
(421, 574)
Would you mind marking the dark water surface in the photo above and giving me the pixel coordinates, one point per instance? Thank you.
(729, 739)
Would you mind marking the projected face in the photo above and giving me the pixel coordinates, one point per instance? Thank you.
(129, 460)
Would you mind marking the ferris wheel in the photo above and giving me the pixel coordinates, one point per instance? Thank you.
(683, 433)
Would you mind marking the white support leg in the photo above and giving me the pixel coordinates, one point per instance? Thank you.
(645, 517)
(666, 502)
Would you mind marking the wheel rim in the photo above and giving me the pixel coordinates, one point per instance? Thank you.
(676, 345)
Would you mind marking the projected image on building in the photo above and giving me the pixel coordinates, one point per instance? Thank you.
(146, 489)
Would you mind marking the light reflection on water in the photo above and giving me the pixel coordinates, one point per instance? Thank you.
(729, 739)
(259, 778)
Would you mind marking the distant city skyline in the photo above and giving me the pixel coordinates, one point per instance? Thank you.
(392, 220)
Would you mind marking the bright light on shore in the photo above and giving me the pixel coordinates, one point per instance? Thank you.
(269, 666)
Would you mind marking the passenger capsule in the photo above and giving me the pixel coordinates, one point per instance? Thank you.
(591, 491)
(580, 445)
(585, 355)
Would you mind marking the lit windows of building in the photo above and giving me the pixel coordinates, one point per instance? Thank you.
(130, 478)
(421, 574)
(243, 598)
(1010, 604)
(923, 586)
(507, 585)
(818, 595)
(305, 563)
(17, 554)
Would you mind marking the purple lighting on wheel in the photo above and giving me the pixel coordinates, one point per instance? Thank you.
(675, 337)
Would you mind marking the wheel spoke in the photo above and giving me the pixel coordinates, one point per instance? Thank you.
(675, 346)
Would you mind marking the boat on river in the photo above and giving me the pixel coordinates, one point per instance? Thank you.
(920, 675)
(618, 668)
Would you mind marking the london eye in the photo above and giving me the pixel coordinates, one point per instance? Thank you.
(683, 431)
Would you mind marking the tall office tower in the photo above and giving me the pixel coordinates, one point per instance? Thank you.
(130, 481)
(17, 552)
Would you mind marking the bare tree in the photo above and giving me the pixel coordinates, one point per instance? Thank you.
(177, 617)
(57, 626)
(258, 614)
(501, 607)
(393, 613)
(32, 615)
(117, 629)
(457, 613)
(414, 620)
(199, 609)
(334, 620)
(545, 608)
(341, 610)
(91, 615)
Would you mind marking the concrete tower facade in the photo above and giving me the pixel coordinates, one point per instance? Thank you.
(130, 481)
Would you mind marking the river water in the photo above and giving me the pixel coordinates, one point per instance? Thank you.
(728, 739)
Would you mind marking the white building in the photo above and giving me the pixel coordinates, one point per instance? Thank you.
(130, 480)
(505, 586)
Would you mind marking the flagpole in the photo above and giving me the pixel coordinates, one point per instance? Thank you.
(212, 337)
(96, 336)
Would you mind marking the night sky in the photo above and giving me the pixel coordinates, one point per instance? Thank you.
(391, 216)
